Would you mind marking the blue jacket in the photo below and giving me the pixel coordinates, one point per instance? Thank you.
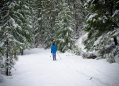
(53, 49)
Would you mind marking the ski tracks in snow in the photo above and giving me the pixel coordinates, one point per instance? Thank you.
(39, 69)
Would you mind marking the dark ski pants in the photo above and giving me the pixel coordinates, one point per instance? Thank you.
(54, 56)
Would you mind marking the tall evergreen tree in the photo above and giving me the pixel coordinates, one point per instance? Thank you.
(39, 36)
(8, 26)
(50, 16)
(63, 28)
(46, 21)
(79, 15)
(101, 23)
(34, 6)
(14, 34)
(26, 25)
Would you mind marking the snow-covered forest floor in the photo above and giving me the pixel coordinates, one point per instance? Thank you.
(36, 68)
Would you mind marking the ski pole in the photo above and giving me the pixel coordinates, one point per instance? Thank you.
(51, 55)
(59, 56)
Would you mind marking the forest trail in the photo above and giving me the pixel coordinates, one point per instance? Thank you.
(37, 68)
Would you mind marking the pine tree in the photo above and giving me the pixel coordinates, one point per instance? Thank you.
(79, 15)
(46, 22)
(14, 32)
(39, 31)
(101, 25)
(50, 15)
(9, 43)
(26, 24)
(63, 28)
(34, 6)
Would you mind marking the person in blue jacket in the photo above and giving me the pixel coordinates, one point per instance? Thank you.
(53, 51)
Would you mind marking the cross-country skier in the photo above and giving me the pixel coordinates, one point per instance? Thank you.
(53, 51)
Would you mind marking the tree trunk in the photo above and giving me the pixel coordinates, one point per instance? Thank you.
(111, 13)
(22, 52)
(115, 41)
(7, 71)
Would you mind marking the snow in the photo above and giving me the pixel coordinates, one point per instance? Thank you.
(26, 6)
(115, 13)
(30, 26)
(36, 68)
(117, 59)
(1, 44)
(17, 41)
(91, 16)
(79, 42)
(0, 28)
(88, 0)
(97, 41)
(70, 29)
(62, 40)
(12, 5)
(13, 22)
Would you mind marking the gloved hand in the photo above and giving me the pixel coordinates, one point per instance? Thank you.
(51, 51)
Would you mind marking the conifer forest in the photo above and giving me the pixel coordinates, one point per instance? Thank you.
(26, 24)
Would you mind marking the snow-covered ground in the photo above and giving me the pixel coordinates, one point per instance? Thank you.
(37, 68)
(79, 42)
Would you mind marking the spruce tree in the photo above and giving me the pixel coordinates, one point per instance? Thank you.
(9, 43)
(14, 31)
(34, 6)
(63, 28)
(49, 19)
(101, 24)
(79, 15)
(39, 31)
(26, 24)
(46, 22)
